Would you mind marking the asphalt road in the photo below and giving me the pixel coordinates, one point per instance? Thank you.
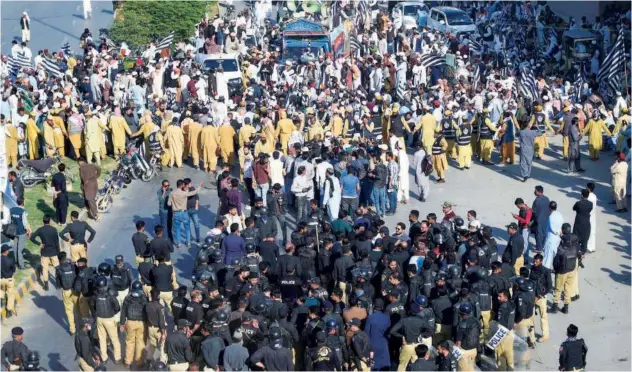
(53, 23)
(602, 313)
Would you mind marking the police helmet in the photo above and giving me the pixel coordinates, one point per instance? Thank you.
(465, 308)
(275, 333)
(332, 323)
(441, 276)
(209, 241)
(202, 257)
(519, 281)
(216, 255)
(220, 318)
(160, 366)
(276, 343)
(136, 286)
(260, 308)
(446, 226)
(526, 286)
(206, 275)
(250, 248)
(422, 301)
(102, 282)
(33, 357)
(234, 262)
(104, 269)
(453, 271)
(438, 239)
(459, 223)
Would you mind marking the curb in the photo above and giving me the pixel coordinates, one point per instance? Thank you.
(21, 290)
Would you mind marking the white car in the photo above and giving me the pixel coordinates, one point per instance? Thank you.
(410, 14)
(231, 78)
(452, 20)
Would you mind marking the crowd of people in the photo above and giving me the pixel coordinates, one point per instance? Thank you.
(326, 139)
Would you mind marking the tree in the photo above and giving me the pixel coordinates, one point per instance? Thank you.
(138, 23)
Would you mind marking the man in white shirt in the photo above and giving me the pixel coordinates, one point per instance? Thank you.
(321, 174)
(301, 187)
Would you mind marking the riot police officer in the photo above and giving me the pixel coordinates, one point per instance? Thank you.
(84, 286)
(481, 288)
(409, 329)
(133, 322)
(290, 285)
(65, 275)
(505, 316)
(32, 362)
(524, 301)
(321, 357)
(105, 306)
(573, 351)
(427, 315)
(468, 334)
(336, 341)
(121, 276)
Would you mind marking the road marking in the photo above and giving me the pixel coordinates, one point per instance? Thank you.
(74, 21)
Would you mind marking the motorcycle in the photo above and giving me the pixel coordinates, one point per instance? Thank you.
(111, 186)
(34, 172)
(139, 166)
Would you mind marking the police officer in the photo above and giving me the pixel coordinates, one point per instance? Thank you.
(178, 348)
(361, 349)
(140, 241)
(194, 314)
(505, 316)
(321, 357)
(156, 325)
(77, 230)
(314, 325)
(105, 306)
(203, 271)
(252, 334)
(482, 289)
(163, 277)
(32, 362)
(541, 278)
(465, 296)
(252, 259)
(65, 275)
(395, 309)
(273, 357)
(121, 276)
(84, 286)
(445, 361)
(427, 315)
(144, 272)
(14, 352)
(290, 285)
(573, 351)
(336, 341)
(133, 322)
(524, 301)
(179, 303)
(444, 316)
(468, 334)
(7, 283)
(409, 330)
(88, 357)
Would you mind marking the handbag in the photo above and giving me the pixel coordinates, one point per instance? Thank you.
(10, 230)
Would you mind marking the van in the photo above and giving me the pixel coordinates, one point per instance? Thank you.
(452, 20)
(231, 67)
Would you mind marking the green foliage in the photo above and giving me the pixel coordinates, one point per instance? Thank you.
(138, 22)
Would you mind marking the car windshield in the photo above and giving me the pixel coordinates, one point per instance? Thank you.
(229, 65)
(296, 53)
(412, 10)
(458, 19)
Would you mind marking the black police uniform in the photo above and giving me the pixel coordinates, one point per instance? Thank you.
(121, 277)
(14, 353)
(446, 363)
(322, 358)
(573, 354)
(291, 288)
(178, 307)
(468, 332)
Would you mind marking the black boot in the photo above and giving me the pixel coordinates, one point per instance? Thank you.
(565, 309)
(46, 286)
(553, 309)
(574, 298)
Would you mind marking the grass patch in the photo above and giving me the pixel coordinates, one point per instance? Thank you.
(39, 202)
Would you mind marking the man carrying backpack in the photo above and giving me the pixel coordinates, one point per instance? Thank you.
(422, 163)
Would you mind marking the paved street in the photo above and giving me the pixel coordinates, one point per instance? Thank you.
(53, 23)
(602, 313)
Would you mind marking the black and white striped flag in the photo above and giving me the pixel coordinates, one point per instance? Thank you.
(66, 49)
(475, 47)
(166, 42)
(12, 65)
(52, 67)
(401, 93)
(431, 60)
(613, 65)
(578, 86)
(361, 13)
(23, 62)
(476, 77)
(527, 86)
(354, 43)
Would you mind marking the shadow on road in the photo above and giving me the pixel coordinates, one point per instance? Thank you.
(54, 362)
(53, 306)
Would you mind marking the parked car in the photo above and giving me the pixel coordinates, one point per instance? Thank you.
(452, 20)
(410, 14)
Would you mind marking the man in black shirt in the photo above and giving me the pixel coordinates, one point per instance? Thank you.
(269, 250)
(180, 303)
(445, 361)
(60, 196)
(361, 349)
(140, 241)
(573, 351)
(194, 314)
(541, 278)
(161, 246)
(6, 282)
(423, 362)
(178, 349)
(77, 230)
(515, 247)
(49, 245)
(156, 323)
(163, 278)
(88, 357)
(144, 272)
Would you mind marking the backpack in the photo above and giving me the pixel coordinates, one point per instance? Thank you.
(426, 165)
